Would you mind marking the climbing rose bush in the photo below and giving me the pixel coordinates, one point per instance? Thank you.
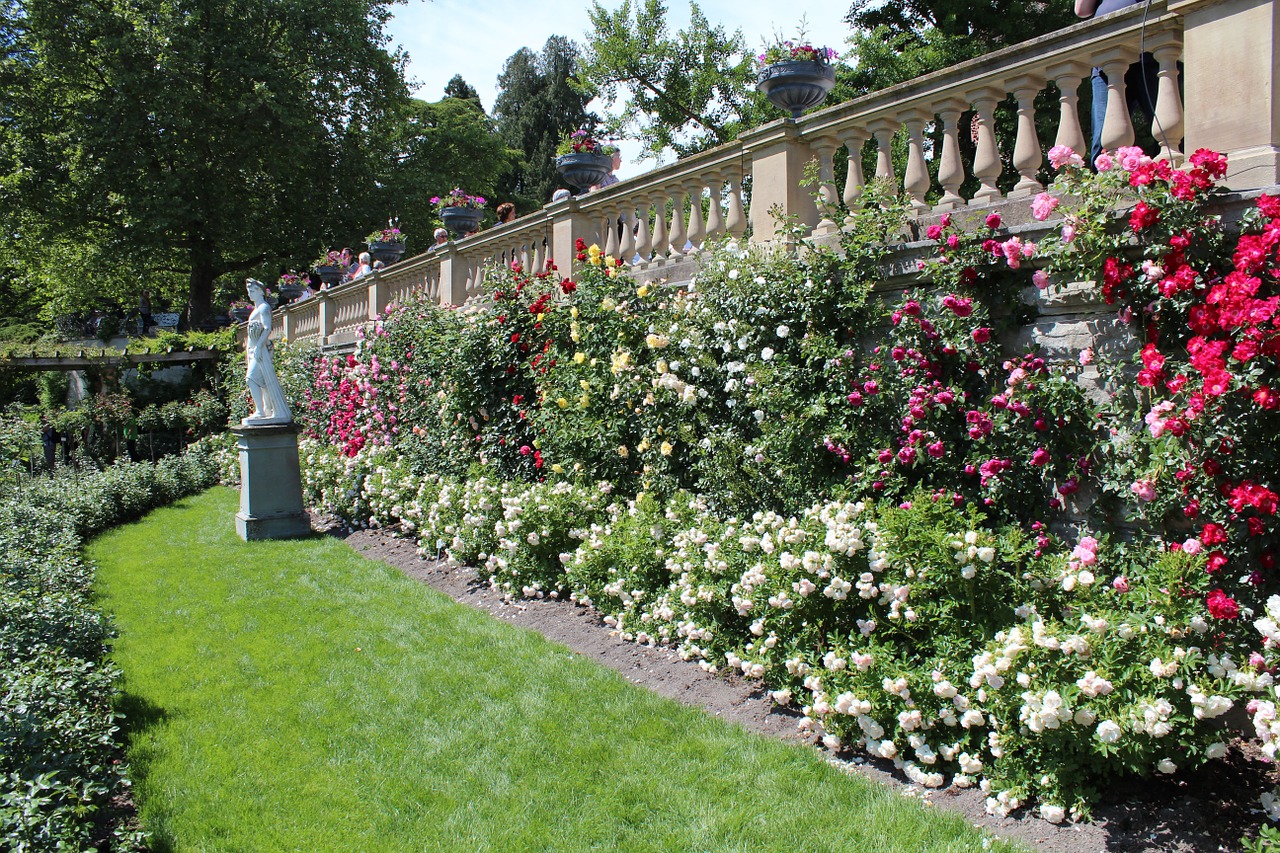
(871, 502)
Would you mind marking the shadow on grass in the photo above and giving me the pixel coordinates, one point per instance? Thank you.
(140, 715)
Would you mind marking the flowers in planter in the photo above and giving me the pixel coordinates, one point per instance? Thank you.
(786, 50)
(291, 280)
(456, 198)
(392, 233)
(328, 258)
(583, 141)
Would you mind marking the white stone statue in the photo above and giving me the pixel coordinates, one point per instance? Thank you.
(269, 404)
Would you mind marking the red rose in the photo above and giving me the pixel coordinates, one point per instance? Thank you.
(1222, 606)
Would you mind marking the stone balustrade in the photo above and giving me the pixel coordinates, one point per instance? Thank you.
(1217, 88)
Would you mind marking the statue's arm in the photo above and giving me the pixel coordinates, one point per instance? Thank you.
(255, 330)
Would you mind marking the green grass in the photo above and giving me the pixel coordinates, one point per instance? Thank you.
(295, 696)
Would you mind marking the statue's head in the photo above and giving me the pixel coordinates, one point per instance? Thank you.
(256, 289)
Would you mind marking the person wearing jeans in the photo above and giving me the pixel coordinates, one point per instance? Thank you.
(1139, 81)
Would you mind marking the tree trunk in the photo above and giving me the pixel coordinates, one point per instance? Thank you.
(200, 290)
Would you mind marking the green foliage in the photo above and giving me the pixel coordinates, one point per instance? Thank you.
(124, 120)
(61, 771)
(687, 91)
(535, 107)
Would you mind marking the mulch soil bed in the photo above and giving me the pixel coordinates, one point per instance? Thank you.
(1209, 810)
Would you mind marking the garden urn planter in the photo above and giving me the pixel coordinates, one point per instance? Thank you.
(796, 86)
(583, 171)
(461, 221)
(330, 274)
(241, 315)
(287, 293)
(388, 253)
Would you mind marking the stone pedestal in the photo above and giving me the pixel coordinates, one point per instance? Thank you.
(270, 483)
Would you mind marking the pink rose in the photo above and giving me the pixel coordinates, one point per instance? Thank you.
(1121, 583)
(1043, 205)
(1104, 163)
(1062, 155)
(1145, 491)
(1040, 456)
(1040, 279)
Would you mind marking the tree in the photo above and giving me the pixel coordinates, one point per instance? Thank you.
(192, 136)
(897, 40)
(535, 107)
(460, 88)
(687, 93)
(432, 148)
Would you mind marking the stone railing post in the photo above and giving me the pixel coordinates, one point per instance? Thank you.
(986, 158)
(453, 276)
(1117, 126)
(950, 167)
(828, 208)
(379, 296)
(567, 225)
(778, 156)
(1231, 60)
(1067, 77)
(327, 316)
(286, 326)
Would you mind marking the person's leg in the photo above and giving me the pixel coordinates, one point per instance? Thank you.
(1099, 81)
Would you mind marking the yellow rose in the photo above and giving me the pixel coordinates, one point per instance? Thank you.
(665, 449)
(579, 357)
(573, 312)
(661, 366)
(557, 468)
(585, 385)
(562, 402)
(622, 451)
(584, 401)
(643, 445)
(642, 290)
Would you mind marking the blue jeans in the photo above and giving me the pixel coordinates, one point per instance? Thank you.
(1140, 83)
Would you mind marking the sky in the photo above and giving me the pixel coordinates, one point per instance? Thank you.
(474, 38)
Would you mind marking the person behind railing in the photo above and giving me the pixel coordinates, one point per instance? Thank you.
(610, 179)
(144, 311)
(441, 237)
(307, 292)
(506, 213)
(377, 265)
(363, 267)
(560, 195)
(1140, 80)
(347, 263)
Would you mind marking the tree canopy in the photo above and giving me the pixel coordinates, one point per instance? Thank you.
(687, 92)
(535, 107)
(194, 137)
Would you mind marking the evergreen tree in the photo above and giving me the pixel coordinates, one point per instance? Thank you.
(460, 88)
(536, 106)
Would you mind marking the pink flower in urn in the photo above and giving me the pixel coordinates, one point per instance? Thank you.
(1043, 205)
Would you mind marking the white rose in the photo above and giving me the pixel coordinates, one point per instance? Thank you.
(1052, 813)
(1166, 766)
(1108, 731)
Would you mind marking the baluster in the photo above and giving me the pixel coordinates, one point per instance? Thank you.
(1117, 126)
(644, 241)
(697, 232)
(854, 139)
(737, 221)
(1167, 124)
(611, 235)
(715, 216)
(916, 179)
(661, 242)
(1067, 76)
(1027, 156)
(627, 246)
(825, 149)
(677, 225)
(986, 159)
(883, 130)
(950, 167)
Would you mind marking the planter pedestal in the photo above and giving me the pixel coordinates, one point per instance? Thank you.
(270, 483)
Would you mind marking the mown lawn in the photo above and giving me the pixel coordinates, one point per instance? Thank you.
(295, 696)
